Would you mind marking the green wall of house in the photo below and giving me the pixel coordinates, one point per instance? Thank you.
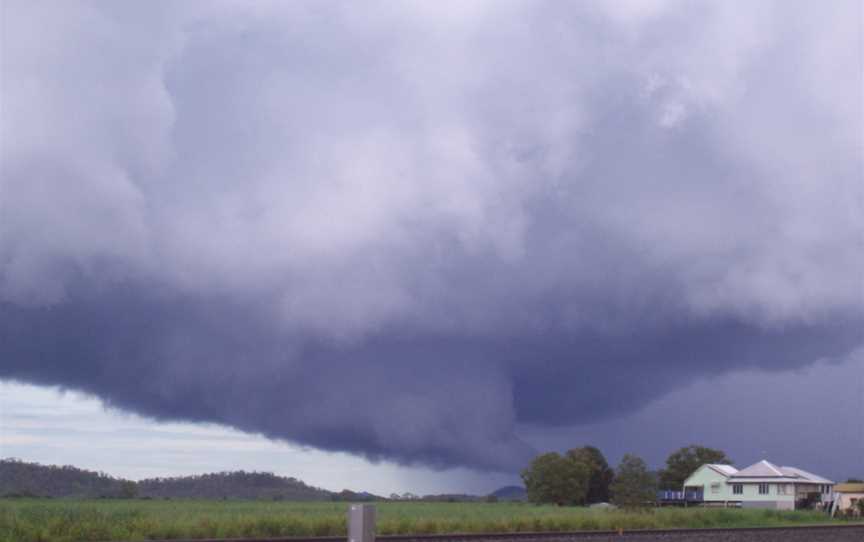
(713, 483)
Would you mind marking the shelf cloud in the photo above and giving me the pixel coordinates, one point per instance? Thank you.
(403, 229)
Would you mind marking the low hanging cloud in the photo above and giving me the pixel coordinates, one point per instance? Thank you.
(401, 229)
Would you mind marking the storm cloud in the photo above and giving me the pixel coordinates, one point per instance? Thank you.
(402, 229)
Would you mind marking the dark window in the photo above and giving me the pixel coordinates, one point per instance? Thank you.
(763, 489)
(738, 489)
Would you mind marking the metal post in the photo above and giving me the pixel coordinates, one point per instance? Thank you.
(361, 523)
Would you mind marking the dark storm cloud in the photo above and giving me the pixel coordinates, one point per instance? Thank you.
(401, 230)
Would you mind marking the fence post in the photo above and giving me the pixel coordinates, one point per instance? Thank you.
(361, 523)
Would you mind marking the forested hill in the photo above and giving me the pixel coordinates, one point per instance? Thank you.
(19, 478)
(233, 485)
(511, 493)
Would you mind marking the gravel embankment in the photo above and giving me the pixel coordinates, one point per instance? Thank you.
(796, 534)
(843, 533)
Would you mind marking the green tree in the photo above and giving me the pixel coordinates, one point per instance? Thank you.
(600, 475)
(633, 484)
(552, 478)
(128, 489)
(683, 462)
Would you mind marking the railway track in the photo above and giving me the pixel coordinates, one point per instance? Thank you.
(805, 533)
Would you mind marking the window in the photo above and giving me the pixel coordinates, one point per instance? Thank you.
(737, 489)
(715, 488)
(763, 489)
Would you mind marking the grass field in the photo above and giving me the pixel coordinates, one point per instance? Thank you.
(58, 520)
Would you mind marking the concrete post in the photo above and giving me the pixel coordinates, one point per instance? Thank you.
(361, 523)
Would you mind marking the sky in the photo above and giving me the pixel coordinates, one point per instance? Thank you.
(410, 245)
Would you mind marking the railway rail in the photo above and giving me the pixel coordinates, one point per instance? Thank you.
(803, 533)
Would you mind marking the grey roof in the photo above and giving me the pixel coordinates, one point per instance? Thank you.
(809, 476)
(765, 471)
(762, 469)
(726, 470)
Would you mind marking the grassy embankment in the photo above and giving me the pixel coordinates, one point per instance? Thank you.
(60, 520)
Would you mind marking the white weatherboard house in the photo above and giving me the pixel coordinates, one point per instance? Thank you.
(761, 485)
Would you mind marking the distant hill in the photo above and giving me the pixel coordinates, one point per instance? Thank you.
(355, 496)
(511, 493)
(19, 478)
(232, 485)
(450, 497)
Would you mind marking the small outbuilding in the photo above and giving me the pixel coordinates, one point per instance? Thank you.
(846, 498)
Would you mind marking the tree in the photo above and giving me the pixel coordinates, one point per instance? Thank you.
(600, 475)
(683, 462)
(633, 484)
(552, 478)
(128, 489)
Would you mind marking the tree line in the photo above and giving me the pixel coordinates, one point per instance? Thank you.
(582, 476)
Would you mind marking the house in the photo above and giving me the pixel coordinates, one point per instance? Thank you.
(708, 484)
(761, 485)
(846, 497)
(765, 485)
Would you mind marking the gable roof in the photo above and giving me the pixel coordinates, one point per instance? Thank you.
(725, 470)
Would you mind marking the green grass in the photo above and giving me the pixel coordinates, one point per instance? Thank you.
(60, 520)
